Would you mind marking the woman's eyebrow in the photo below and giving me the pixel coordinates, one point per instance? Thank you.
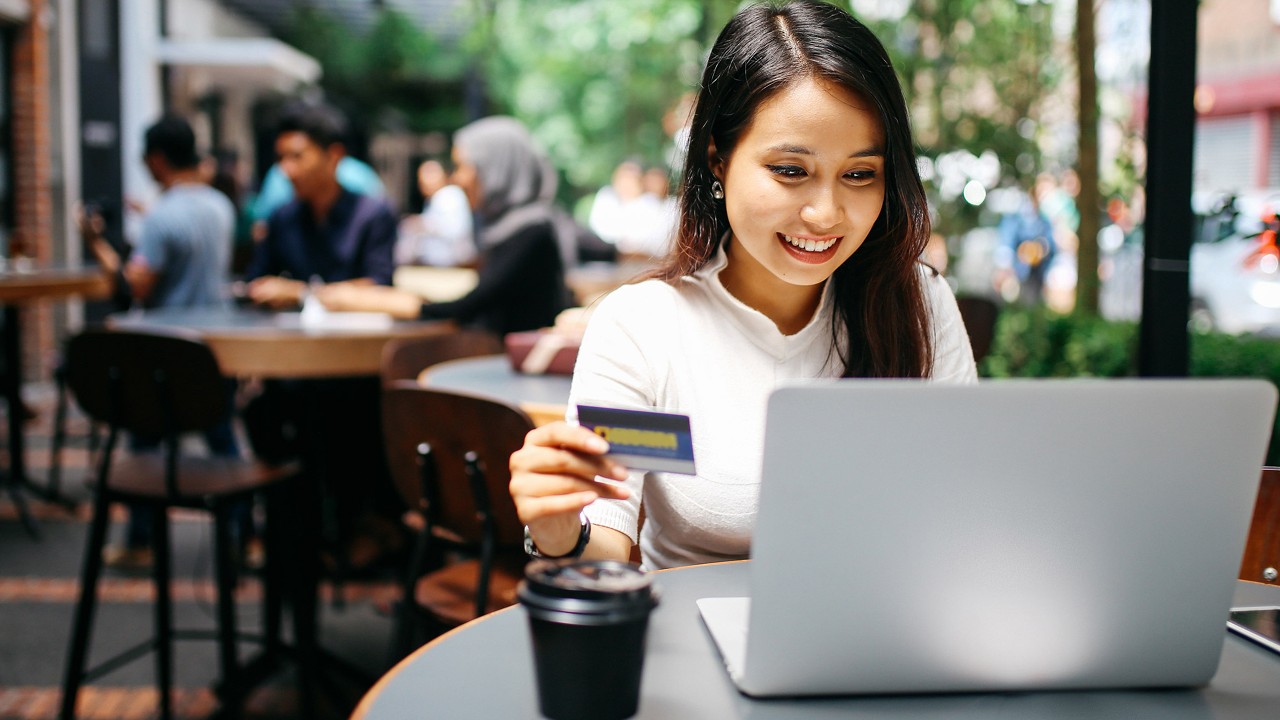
(790, 149)
(873, 151)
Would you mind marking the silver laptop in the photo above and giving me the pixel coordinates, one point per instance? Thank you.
(1012, 535)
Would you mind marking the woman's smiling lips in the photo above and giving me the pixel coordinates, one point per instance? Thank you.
(809, 249)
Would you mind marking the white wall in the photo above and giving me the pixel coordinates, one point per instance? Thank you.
(195, 19)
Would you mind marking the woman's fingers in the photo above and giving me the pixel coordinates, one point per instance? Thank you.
(574, 450)
(532, 509)
(555, 473)
(554, 461)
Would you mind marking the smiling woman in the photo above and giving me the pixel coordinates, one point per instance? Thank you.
(802, 221)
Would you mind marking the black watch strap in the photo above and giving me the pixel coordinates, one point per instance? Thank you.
(531, 548)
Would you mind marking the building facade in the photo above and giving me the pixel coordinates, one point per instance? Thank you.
(1238, 97)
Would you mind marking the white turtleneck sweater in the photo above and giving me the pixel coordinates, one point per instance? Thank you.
(694, 349)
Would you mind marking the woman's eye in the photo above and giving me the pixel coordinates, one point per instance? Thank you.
(789, 171)
(861, 176)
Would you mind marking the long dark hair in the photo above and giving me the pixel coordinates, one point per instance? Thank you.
(879, 297)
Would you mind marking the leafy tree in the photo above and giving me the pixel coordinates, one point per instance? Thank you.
(976, 74)
(595, 79)
(392, 75)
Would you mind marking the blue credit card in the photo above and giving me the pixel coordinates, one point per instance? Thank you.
(643, 440)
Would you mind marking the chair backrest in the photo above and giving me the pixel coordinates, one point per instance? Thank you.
(150, 384)
(1261, 562)
(979, 315)
(453, 425)
(405, 358)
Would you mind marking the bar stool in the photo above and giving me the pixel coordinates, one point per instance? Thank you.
(160, 385)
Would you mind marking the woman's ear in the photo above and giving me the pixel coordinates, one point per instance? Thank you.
(714, 161)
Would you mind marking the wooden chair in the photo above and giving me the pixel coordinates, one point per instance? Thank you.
(405, 358)
(163, 386)
(449, 454)
(979, 316)
(1261, 561)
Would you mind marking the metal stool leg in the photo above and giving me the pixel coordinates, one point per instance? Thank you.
(163, 612)
(225, 574)
(83, 623)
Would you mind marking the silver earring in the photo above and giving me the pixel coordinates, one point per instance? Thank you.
(717, 190)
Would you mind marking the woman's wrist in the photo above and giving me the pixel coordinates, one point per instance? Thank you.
(560, 536)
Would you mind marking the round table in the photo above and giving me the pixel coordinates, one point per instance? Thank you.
(542, 397)
(261, 343)
(485, 670)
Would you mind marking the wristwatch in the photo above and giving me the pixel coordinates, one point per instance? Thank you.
(531, 548)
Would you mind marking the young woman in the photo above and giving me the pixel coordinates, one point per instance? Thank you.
(509, 183)
(802, 221)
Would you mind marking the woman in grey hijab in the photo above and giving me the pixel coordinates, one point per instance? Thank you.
(510, 185)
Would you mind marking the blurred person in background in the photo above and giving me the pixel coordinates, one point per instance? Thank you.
(276, 189)
(441, 234)
(510, 185)
(227, 176)
(181, 259)
(628, 212)
(657, 185)
(327, 232)
(1025, 252)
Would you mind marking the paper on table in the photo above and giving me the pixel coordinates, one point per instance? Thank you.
(315, 316)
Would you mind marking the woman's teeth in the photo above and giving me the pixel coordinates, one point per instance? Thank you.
(810, 245)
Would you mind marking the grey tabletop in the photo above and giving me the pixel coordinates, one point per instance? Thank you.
(485, 670)
(230, 318)
(492, 375)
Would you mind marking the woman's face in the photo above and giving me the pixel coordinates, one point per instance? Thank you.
(803, 187)
(466, 177)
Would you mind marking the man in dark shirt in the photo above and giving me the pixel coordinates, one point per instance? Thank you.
(331, 235)
(326, 232)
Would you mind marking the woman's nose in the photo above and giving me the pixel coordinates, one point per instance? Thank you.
(822, 209)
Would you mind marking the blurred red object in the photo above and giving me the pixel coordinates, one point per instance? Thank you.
(542, 352)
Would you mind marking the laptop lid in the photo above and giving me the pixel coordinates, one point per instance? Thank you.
(1012, 535)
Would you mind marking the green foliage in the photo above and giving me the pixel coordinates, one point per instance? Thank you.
(394, 74)
(593, 79)
(976, 74)
(596, 79)
(1040, 343)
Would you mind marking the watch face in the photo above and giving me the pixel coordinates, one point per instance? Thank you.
(529, 548)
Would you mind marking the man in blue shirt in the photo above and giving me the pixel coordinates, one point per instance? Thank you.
(326, 232)
(181, 259)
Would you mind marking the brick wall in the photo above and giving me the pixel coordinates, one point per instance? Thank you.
(32, 180)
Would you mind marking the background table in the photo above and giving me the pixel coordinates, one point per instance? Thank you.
(20, 285)
(260, 343)
(485, 670)
(543, 397)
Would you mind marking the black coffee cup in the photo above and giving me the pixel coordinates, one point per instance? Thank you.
(588, 620)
